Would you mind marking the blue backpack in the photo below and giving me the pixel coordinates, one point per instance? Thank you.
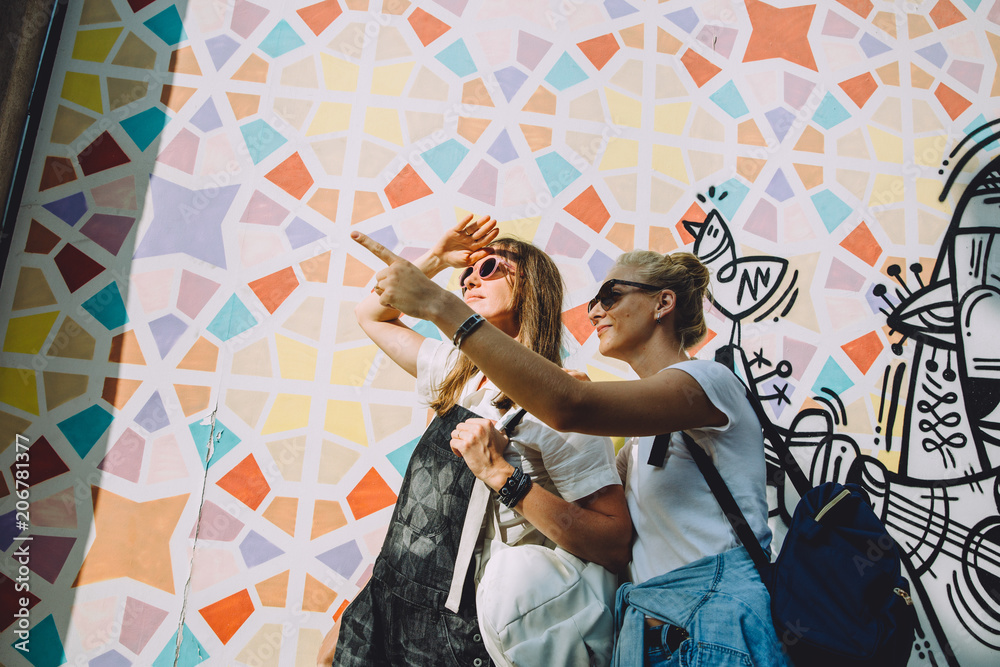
(838, 597)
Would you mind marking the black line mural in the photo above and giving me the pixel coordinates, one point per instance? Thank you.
(941, 503)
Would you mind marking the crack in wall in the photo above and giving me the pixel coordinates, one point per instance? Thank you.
(210, 450)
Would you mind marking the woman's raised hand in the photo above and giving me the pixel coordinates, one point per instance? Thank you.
(401, 285)
(464, 244)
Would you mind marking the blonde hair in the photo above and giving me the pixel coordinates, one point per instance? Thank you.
(687, 277)
(536, 299)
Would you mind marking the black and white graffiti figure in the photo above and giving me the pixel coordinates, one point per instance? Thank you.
(941, 504)
(939, 411)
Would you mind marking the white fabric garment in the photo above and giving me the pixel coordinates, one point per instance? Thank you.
(570, 465)
(676, 518)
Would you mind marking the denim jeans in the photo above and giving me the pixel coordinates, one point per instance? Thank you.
(721, 602)
(399, 618)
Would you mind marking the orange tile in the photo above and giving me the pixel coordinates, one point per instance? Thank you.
(316, 269)
(862, 244)
(366, 205)
(542, 100)
(748, 134)
(125, 349)
(953, 103)
(945, 14)
(860, 88)
(474, 92)
(538, 137)
(749, 168)
(661, 240)
(589, 209)
(319, 16)
(700, 69)
(578, 323)
(812, 140)
(633, 37)
(370, 495)
(316, 596)
(292, 176)
(175, 97)
(56, 171)
(667, 43)
(193, 398)
(246, 483)
(811, 175)
(273, 289)
(860, 7)
(227, 615)
(203, 356)
(622, 235)
(471, 129)
(356, 274)
(405, 187)
(919, 78)
(282, 512)
(328, 516)
(889, 74)
(273, 592)
(117, 391)
(325, 202)
(864, 351)
(600, 50)
(243, 104)
(426, 26)
(183, 61)
(254, 70)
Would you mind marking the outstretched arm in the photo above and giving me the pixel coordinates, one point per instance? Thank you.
(668, 401)
(462, 245)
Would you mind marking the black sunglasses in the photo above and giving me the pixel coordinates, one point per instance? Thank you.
(488, 268)
(608, 297)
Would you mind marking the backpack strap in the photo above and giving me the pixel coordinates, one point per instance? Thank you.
(729, 506)
(790, 466)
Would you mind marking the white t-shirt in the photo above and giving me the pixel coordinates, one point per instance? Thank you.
(677, 520)
(568, 464)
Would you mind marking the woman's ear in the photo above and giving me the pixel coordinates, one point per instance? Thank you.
(667, 301)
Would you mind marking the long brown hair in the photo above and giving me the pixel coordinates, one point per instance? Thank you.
(536, 299)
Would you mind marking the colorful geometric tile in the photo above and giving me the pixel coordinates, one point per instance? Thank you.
(282, 512)
(729, 100)
(426, 26)
(257, 550)
(246, 17)
(167, 25)
(184, 653)
(144, 127)
(780, 33)
(246, 483)
(320, 16)
(124, 458)
(261, 139)
(50, 554)
(107, 307)
(133, 540)
(565, 73)
(83, 89)
(292, 176)
(445, 158)
(344, 560)
(557, 172)
(700, 68)
(68, 209)
(221, 48)
(510, 79)
(281, 40)
(140, 622)
(228, 615)
(56, 172)
(108, 231)
(25, 335)
(45, 646)
(458, 59)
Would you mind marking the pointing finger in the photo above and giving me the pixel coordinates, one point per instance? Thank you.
(375, 248)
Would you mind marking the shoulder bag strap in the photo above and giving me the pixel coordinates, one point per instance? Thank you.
(728, 504)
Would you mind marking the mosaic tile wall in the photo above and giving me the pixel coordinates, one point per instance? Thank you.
(210, 444)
